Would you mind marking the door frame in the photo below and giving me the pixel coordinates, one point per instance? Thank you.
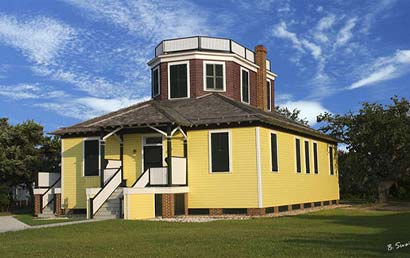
(143, 137)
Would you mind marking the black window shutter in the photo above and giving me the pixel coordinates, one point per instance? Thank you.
(155, 82)
(91, 158)
(268, 95)
(298, 162)
(307, 157)
(245, 86)
(331, 160)
(220, 152)
(178, 81)
(274, 152)
(315, 158)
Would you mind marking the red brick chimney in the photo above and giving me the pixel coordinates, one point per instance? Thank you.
(260, 60)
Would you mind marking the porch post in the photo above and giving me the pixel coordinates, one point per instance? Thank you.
(102, 157)
(186, 160)
(122, 157)
(169, 155)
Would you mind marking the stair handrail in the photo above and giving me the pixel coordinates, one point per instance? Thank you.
(46, 193)
(139, 178)
(99, 199)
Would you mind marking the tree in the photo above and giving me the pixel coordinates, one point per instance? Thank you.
(378, 143)
(293, 115)
(24, 150)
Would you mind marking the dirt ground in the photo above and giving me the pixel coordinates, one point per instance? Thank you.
(390, 206)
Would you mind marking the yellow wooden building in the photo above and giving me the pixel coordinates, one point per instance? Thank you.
(208, 142)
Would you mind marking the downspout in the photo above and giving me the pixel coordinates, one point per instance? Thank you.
(169, 155)
(259, 167)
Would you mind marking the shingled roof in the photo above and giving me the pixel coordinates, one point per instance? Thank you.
(206, 110)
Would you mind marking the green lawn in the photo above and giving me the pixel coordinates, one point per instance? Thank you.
(33, 221)
(328, 233)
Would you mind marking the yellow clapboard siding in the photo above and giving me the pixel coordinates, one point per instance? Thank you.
(237, 189)
(140, 206)
(73, 181)
(112, 148)
(288, 187)
(132, 158)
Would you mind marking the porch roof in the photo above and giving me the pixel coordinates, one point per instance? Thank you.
(210, 109)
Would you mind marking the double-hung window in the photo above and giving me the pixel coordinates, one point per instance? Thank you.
(178, 80)
(219, 149)
(274, 151)
(214, 79)
(298, 158)
(155, 82)
(245, 89)
(268, 95)
(91, 157)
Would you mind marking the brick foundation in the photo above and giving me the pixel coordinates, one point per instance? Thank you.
(290, 208)
(337, 202)
(37, 204)
(58, 210)
(215, 212)
(256, 211)
(302, 206)
(168, 205)
(185, 203)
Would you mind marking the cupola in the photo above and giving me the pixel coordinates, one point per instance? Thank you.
(194, 66)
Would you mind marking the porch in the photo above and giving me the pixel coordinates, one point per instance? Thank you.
(160, 173)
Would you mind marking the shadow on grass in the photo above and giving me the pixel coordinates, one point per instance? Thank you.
(369, 234)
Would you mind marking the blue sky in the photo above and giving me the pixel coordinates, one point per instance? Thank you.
(69, 60)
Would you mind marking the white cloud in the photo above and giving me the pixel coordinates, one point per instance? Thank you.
(281, 31)
(309, 110)
(87, 107)
(322, 26)
(154, 20)
(41, 39)
(384, 68)
(29, 91)
(345, 34)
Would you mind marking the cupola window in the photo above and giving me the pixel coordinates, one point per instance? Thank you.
(214, 79)
(178, 82)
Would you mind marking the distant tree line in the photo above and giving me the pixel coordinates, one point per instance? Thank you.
(24, 151)
(376, 163)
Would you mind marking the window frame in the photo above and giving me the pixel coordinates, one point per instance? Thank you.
(269, 86)
(308, 169)
(99, 155)
(315, 163)
(277, 152)
(188, 79)
(300, 156)
(249, 85)
(210, 132)
(223, 75)
(156, 69)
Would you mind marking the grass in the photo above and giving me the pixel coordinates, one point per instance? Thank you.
(327, 233)
(33, 221)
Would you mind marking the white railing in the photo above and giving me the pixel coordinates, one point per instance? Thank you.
(111, 169)
(47, 179)
(158, 176)
(142, 181)
(48, 196)
(178, 170)
(206, 43)
(99, 199)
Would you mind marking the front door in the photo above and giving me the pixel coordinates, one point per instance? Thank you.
(152, 152)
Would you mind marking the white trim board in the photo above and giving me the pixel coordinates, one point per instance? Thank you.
(259, 167)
